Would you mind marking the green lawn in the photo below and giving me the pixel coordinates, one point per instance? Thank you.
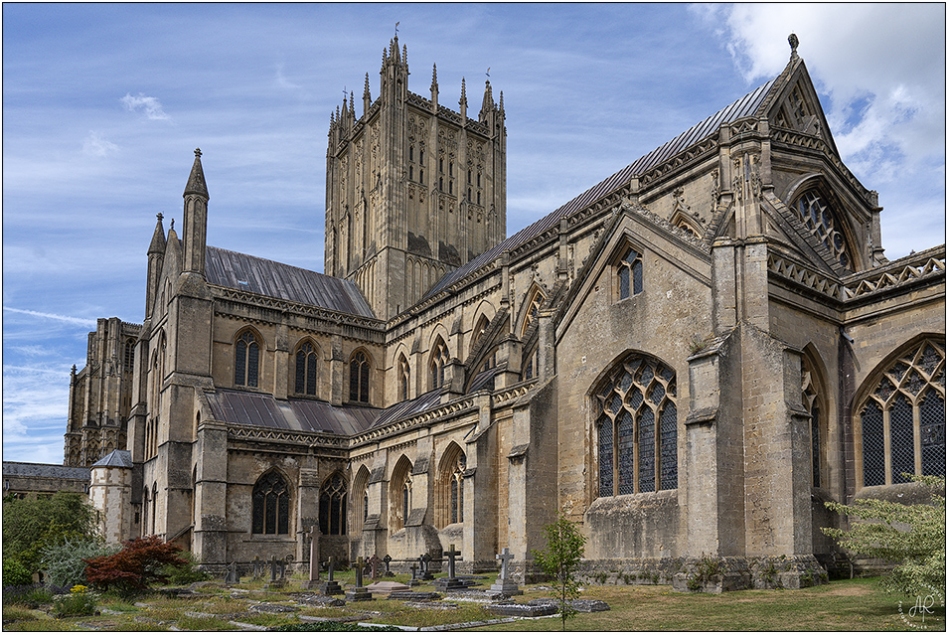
(849, 605)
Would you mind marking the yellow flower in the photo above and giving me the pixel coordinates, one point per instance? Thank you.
(79, 588)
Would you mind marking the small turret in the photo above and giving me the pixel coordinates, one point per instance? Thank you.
(156, 256)
(195, 219)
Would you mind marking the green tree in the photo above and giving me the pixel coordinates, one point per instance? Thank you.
(560, 561)
(33, 523)
(65, 563)
(913, 535)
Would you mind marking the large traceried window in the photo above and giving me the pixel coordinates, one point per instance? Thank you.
(359, 378)
(903, 421)
(271, 505)
(437, 366)
(333, 506)
(246, 360)
(629, 274)
(450, 491)
(818, 217)
(306, 360)
(636, 428)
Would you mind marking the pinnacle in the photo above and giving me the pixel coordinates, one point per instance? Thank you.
(196, 183)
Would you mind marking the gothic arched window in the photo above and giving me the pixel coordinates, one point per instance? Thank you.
(533, 306)
(817, 216)
(903, 421)
(400, 494)
(403, 378)
(359, 378)
(333, 506)
(440, 359)
(456, 503)
(636, 423)
(271, 505)
(629, 274)
(811, 397)
(306, 370)
(129, 359)
(246, 360)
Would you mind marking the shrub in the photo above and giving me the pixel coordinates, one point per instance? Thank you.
(30, 524)
(77, 602)
(140, 563)
(186, 573)
(914, 535)
(65, 564)
(15, 573)
(29, 595)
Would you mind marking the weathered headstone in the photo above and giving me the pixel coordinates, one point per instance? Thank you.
(425, 559)
(450, 583)
(258, 568)
(277, 571)
(314, 581)
(331, 586)
(374, 563)
(233, 577)
(414, 581)
(504, 584)
(359, 593)
(387, 560)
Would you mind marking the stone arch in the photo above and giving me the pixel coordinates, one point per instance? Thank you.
(449, 486)
(271, 503)
(248, 354)
(899, 416)
(359, 500)
(839, 222)
(400, 493)
(361, 366)
(635, 426)
(438, 363)
(533, 300)
(818, 402)
(334, 494)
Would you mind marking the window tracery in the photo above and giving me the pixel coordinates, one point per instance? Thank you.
(246, 360)
(637, 428)
(271, 505)
(359, 378)
(903, 420)
(333, 506)
(306, 370)
(818, 217)
(440, 360)
(629, 274)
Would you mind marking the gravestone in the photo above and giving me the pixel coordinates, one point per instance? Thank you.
(233, 577)
(359, 593)
(258, 568)
(277, 571)
(414, 581)
(386, 587)
(504, 584)
(314, 581)
(451, 583)
(387, 560)
(425, 559)
(331, 586)
(374, 563)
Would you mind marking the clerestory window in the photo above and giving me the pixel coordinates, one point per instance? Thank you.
(246, 360)
(306, 370)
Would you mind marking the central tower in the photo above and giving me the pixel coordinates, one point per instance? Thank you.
(413, 189)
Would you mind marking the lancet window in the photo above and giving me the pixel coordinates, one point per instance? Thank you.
(636, 425)
(903, 421)
(306, 370)
(811, 398)
(271, 505)
(629, 274)
(439, 363)
(246, 360)
(333, 506)
(359, 377)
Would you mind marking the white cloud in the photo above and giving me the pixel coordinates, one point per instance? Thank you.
(52, 316)
(95, 146)
(281, 81)
(149, 105)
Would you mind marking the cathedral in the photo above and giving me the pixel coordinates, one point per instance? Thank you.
(687, 360)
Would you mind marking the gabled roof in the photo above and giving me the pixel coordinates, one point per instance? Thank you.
(45, 470)
(277, 280)
(115, 458)
(747, 106)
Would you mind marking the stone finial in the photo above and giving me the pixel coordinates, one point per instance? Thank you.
(793, 41)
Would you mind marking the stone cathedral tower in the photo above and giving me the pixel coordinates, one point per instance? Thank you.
(413, 189)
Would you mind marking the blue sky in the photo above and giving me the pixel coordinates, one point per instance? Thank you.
(103, 105)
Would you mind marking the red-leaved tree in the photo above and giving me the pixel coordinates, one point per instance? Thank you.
(135, 567)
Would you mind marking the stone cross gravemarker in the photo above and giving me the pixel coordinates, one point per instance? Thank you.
(451, 582)
(387, 560)
(374, 562)
(314, 581)
(331, 586)
(232, 575)
(504, 584)
(425, 559)
(359, 593)
(414, 581)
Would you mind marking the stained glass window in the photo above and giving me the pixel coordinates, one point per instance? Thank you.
(906, 406)
(271, 505)
(636, 428)
(333, 506)
(246, 360)
(359, 378)
(817, 216)
(306, 370)
(629, 273)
